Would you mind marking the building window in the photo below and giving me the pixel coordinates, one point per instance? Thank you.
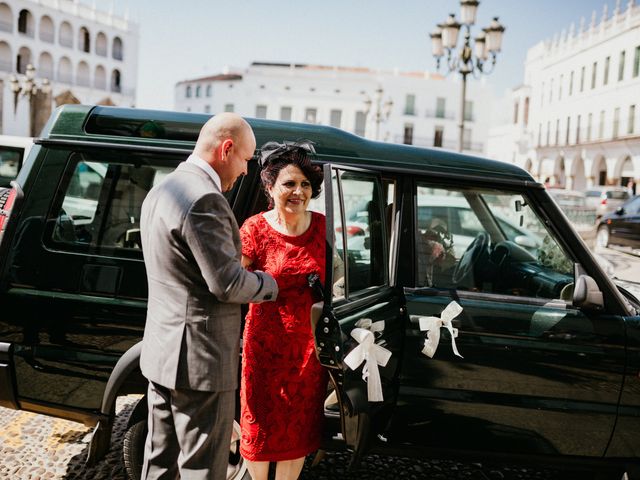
(582, 73)
(607, 61)
(361, 121)
(311, 115)
(589, 123)
(548, 132)
(560, 87)
(526, 111)
(198, 91)
(335, 118)
(468, 110)
(466, 139)
(410, 104)
(616, 123)
(261, 111)
(438, 135)
(188, 92)
(593, 75)
(621, 66)
(228, 107)
(578, 129)
(408, 134)
(515, 112)
(208, 90)
(571, 84)
(636, 62)
(285, 114)
(632, 118)
(557, 132)
(601, 126)
(568, 133)
(440, 107)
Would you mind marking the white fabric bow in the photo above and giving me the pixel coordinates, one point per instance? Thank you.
(368, 324)
(373, 355)
(432, 326)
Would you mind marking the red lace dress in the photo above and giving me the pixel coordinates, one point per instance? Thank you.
(283, 385)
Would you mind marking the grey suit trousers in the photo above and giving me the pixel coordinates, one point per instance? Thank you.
(184, 428)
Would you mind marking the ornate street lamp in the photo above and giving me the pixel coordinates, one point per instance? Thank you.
(487, 44)
(381, 111)
(29, 89)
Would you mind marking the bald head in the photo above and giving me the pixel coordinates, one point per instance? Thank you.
(226, 142)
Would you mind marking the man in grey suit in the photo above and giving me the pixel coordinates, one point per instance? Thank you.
(190, 349)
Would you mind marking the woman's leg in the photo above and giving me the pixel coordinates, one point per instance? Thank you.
(289, 469)
(258, 470)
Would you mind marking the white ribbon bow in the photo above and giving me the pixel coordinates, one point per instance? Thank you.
(432, 326)
(368, 324)
(373, 355)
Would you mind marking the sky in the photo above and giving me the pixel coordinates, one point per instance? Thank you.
(191, 38)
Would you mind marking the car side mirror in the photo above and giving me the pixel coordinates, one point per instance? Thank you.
(587, 294)
(620, 211)
(525, 241)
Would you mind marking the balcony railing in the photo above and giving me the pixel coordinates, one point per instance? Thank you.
(48, 37)
(5, 66)
(436, 114)
(6, 26)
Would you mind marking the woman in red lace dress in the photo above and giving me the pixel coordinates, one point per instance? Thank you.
(283, 385)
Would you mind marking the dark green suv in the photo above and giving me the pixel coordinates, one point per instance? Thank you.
(540, 363)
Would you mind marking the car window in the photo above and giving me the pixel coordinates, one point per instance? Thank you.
(361, 238)
(593, 193)
(10, 160)
(617, 194)
(500, 246)
(101, 204)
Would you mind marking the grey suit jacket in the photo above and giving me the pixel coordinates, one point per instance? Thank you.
(192, 252)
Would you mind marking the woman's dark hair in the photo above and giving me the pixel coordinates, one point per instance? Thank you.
(275, 156)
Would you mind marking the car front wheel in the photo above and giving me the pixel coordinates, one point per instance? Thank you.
(602, 237)
(133, 452)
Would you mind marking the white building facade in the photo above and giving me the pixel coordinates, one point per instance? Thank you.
(576, 121)
(401, 107)
(87, 55)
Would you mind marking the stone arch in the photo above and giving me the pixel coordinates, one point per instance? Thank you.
(625, 173)
(23, 59)
(45, 65)
(6, 18)
(65, 34)
(46, 32)
(100, 78)
(83, 77)
(117, 49)
(559, 178)
(26, 23)
(84, 40)
(546, 170)
(578, 174)
(6, 63)
(528, 165)
(101, 44)
(599, 170)
(115, 81)
(65, 70)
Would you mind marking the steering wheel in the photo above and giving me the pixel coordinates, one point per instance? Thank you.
(478, 249)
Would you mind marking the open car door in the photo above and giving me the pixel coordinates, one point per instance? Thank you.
(359, 328)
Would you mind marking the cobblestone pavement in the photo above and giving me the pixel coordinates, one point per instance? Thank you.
(40, 447)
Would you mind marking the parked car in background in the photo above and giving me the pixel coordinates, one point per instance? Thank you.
(621, 227)
(574, 205)
(606, 199)
(13, 150)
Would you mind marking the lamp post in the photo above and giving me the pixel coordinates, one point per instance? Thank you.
(487, 44)
(28, 88)
(381, 111)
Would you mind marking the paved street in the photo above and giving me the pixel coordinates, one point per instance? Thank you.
(40, 447)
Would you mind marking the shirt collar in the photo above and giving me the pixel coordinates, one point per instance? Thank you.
(196, 160)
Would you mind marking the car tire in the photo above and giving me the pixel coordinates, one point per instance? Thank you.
(133, 453)
(602, 237)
